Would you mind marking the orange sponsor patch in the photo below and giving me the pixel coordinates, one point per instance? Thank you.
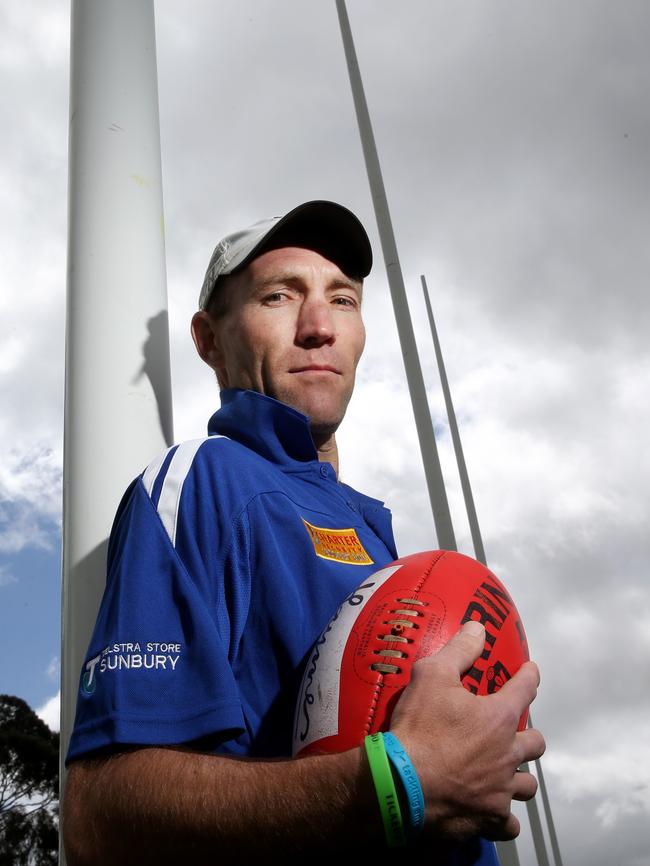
(341, 545)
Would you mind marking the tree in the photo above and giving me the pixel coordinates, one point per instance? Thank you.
(29, 781)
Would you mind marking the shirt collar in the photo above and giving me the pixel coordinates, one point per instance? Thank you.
(265, 425)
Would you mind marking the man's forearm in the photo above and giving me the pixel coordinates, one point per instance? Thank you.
(170, 806)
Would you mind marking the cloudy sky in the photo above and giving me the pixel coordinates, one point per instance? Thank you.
(514, 138)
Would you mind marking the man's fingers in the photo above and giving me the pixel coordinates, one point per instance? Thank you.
(509, 830)
(531, 743)
(521, 689)
(463, 649)
(525, 786)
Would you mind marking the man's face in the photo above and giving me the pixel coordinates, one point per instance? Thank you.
(293, 331)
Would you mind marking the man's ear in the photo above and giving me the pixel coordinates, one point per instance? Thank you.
(205, 334)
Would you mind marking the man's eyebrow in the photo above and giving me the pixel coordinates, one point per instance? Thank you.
(279, 277)
(347, 283)
(290, 277)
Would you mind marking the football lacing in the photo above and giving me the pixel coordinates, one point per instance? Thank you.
(398, 626)
(383, 668)
(390, 652)
(404, 623)
(394, 638)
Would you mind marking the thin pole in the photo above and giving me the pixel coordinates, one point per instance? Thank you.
(477, 541)
(536, 825)
(417, 391)
(435, 483)
(118, 410)
(555, 845)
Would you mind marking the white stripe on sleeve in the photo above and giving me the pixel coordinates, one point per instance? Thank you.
(151, 472)
(170, 496)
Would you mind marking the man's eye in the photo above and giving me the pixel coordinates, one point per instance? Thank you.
(344, 301)
(275, 297)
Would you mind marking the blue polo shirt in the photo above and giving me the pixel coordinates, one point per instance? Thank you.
(227, 557)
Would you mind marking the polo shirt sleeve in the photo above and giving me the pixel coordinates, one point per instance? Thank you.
(157, 670)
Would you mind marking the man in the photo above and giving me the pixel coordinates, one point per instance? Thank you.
(218, 585)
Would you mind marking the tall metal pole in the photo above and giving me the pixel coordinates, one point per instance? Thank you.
(552, 835)
(536, 824)
(437, 492)
(417, 391)
(118, 411)
(477, 541)
(507, 851)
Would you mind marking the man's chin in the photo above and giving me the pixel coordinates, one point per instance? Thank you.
(324, 418)
(323, 432)
(322, 423)
(325, 412)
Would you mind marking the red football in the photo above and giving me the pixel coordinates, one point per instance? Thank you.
(359, 666)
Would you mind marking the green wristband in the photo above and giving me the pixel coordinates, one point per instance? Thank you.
(382, 776)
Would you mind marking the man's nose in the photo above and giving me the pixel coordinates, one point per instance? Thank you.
(315, 325)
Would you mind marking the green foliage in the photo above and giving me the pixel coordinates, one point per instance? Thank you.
(29, 781)
(29, 839)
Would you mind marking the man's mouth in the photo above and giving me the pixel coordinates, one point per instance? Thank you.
(316, 368)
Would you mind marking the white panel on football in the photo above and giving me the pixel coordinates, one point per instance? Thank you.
(321, 680)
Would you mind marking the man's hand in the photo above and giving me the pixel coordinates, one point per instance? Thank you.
(466, 749)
